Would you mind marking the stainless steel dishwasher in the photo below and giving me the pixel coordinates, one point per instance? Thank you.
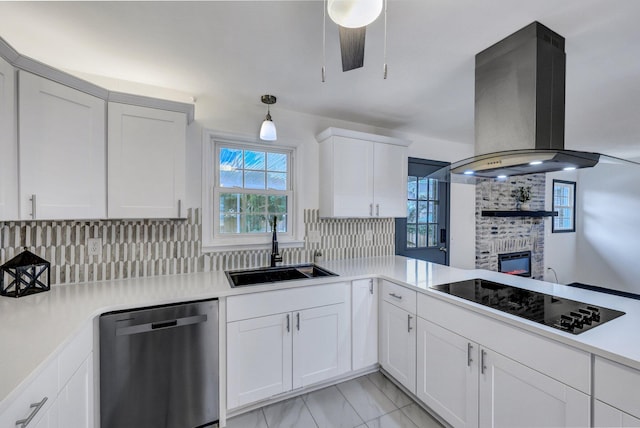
(159, 367)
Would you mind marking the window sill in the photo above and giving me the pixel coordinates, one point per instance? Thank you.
(216, 248)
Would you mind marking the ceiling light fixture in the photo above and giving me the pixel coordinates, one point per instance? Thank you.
(268, 128)
(354, 13)
(536, 162)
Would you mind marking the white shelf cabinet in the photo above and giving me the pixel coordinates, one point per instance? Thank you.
(147, 155)
(286, 339)
(8, 143)
(364, 323)
(62, 157)
(362, 175)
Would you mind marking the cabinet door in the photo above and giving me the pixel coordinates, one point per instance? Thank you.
(50, 419)
(447, 379)
(321, 344)
(606, 416)
(258, 358)
(398, 345)
(61, 151)
(513, 395)
(347, 163)
(147, 149)
(75, 399)
(390, 180)
(8, 144)
(364, 323)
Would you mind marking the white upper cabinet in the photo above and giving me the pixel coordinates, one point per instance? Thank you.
(62, 168)
(362, 175)
(8, 143)
(147, 151)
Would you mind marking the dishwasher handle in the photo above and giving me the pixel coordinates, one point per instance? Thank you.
(160, 325)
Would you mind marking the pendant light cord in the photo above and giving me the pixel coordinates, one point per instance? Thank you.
(324, 38)
(384, 68)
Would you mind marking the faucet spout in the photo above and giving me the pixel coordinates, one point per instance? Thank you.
(276, 257)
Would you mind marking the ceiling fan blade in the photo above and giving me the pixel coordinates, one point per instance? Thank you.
(352, 47)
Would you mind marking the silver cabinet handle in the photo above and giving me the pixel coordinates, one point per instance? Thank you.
(469, 359)
(288, 325)
(483, 367)
(378, 210)
(179, 208)
(33, 206)
(298, 321)
(371, 286)
(409, 328)
(370, 210)
(36, 408)
(178, 322)
(395, 295)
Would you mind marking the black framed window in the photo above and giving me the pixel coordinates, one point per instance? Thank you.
(564, 202)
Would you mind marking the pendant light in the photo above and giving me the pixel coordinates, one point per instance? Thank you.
(268, 128)
(354, 13)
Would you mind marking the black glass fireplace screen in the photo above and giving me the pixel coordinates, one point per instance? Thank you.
(515, 263)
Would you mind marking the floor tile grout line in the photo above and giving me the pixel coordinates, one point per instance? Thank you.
(383, 393)
(349, 402)
(264, 417)
(310, 412)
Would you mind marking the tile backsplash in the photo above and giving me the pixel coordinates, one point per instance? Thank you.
(137, 248)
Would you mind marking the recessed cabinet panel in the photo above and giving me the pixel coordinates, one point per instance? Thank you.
(259, 353)
(364, 323)
(8, 144)
(61, 151)
(605, 416)
(398, 345)
(147, 150)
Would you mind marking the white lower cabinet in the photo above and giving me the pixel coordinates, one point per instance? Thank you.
(398, 344)
(75, 400)
(364, 323)
(605, 416)
(514, 395)
(273, 354)
(447, 374)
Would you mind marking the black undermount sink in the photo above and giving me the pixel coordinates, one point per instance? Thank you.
(241, 278)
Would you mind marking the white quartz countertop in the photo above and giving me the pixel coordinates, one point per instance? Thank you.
(36, 327)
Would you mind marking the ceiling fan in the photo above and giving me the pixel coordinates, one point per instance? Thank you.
(352, 17)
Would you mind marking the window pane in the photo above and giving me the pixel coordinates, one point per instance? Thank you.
(255, 224)
(254, 180)
(411, 211)
(229, 223)
(433, 212)
(412, 188)
(433, 189)
(433, 238)
(422, 235)
(230, 203)
(423, 211)
(276, 181)
(277, 205)
(230, 178)
(277, 162)
(411, 236)
(423, 190)
(255, 204)
(230, 159)
(254, 160)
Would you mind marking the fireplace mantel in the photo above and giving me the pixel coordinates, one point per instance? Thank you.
(519, 213)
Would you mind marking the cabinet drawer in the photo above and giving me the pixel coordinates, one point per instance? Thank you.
(617, 385)
(279, 301)
(399, 296)
(44, 385)
(569, 365)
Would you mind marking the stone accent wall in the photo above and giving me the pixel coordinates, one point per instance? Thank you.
(497, 235)
(137, 248)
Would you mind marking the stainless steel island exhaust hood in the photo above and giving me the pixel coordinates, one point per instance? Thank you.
(519, 108)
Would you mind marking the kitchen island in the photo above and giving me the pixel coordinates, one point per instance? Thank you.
(38, 328)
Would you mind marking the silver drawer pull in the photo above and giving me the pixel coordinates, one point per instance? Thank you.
(469, 359)
(34, 205)
(409, 328)
(395, 295)
(36, 408)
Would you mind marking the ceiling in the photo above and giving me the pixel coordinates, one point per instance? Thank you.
(239, 50)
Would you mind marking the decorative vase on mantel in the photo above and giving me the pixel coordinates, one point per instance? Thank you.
(524, 206)
(523, 196)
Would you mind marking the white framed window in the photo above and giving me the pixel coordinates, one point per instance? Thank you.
(245, 185)
(564, 203)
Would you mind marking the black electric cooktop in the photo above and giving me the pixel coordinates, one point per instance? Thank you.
(557, 312)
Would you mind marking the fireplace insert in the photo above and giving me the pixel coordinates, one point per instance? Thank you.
(515, 263)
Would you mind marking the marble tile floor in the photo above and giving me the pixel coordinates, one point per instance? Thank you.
(370, 401)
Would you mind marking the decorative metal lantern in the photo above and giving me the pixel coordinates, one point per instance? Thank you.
(24, 274)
